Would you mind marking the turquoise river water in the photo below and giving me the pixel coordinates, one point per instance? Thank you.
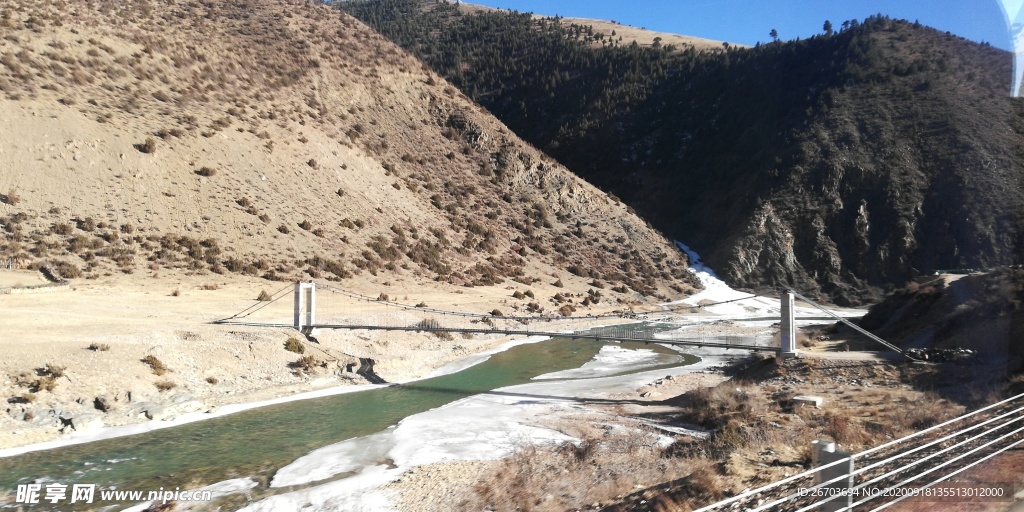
(259, 441)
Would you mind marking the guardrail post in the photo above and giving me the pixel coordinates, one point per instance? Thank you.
(825, 452)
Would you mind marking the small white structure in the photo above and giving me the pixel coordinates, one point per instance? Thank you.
(305, 305)
(812, 400)
(787, 329)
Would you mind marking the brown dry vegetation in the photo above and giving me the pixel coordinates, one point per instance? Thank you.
(280, 102)
(757, 435)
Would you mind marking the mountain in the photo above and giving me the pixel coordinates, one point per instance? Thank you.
(285, 139)
(842, 165)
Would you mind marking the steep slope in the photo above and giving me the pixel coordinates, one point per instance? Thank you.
(981, 312)
(284, 139)
(841, 165)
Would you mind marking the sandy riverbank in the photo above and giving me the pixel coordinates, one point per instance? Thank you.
(208, 367)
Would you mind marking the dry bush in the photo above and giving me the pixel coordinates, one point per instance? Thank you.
(294, 345)
(158, 366)
(44, 383)
(164, 385)
(844, 431)
(62, 228)
(53, 370)
(102, 347)
(148, 147)
(102, 404)
(306, 364)
(11, 198)
(66, 270)
(206, 172)
(264, 296)
(604, 465)
(428, 324)
(212, 380)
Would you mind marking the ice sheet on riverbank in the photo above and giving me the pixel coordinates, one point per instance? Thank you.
(485, 426)
(715, 290)
(613, 359)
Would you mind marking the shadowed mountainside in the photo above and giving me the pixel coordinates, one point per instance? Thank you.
(980, 312)
(844, 164)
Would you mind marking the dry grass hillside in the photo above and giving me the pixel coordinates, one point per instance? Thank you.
(280, 139)
(627, 33)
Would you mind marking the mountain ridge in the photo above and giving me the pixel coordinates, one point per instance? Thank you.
(835, 164)
(281, 139)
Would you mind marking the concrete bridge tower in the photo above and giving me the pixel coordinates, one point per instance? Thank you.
(787, 329)
(305, 305)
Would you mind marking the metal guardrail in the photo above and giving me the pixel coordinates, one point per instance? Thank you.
(889, 470)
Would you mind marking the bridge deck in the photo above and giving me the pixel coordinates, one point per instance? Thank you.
(516, 332)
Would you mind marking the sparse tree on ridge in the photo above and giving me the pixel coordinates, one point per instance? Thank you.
(774, 35)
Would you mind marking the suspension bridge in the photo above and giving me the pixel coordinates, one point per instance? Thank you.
(349, 310)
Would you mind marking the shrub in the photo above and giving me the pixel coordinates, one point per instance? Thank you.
(263, 296)
(54, 370)
(283, 229)
(102, 404)
(558, 284)
(206, 172)
(62, 228)
(12, 198)
(158, 366)
(496, 312)
(67, 270)
(148, 147)
(294, 345)
(44, 383)
(164, 385)
(102, 347)
(212, 380)
(305, 224)
(428, 324)
(306, 364)
(176, 292)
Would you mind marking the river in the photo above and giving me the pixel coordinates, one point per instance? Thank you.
(257, 443)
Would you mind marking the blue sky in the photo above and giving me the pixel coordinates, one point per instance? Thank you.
(749, 21)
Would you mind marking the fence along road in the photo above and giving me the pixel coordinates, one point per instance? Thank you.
(906, 468)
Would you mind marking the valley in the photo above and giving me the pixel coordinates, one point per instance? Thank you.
(169, 170)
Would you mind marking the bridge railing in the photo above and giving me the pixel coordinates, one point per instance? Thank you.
(906, 468)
